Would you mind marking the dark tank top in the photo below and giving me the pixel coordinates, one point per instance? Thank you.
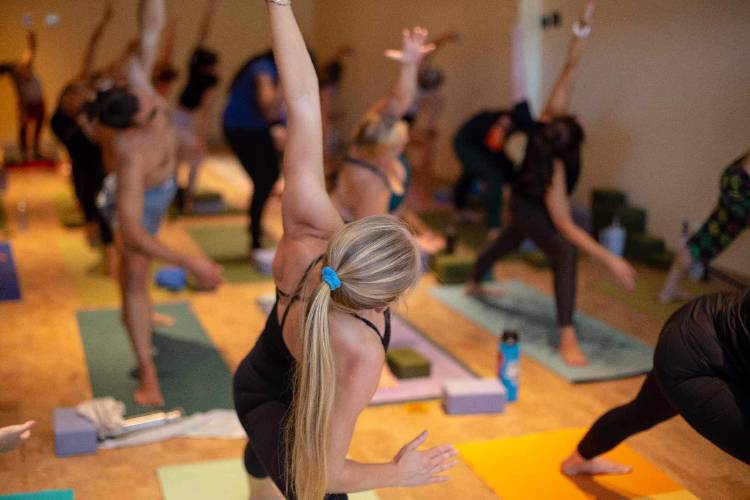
(267, 373)
(731, 316)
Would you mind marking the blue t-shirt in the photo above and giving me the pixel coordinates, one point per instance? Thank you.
(242, 109)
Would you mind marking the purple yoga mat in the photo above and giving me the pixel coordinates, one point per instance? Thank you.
(403, 335)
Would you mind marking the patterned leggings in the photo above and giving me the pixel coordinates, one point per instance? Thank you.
(730, 217)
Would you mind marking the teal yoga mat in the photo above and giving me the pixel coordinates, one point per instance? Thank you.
(229, 245)
(191, 371)
(214, 480)
(41, 495)
(612, 354)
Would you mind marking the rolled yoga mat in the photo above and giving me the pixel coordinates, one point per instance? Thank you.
(443, 366)
(214, 480)
(10, 289)
(528, 466)
(191, 371)
(611, 353)
(41, 495)
(229, 245)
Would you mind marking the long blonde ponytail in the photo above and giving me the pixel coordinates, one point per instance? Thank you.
(377, 262)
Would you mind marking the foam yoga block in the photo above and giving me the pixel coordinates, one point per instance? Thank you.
(633, 219)
(74, 434)
(408, 363)
(171, 278)
(467, 396)
(641, 246)
(208, 202)
(453, 269)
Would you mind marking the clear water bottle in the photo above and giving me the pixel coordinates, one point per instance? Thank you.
(22, 216)
(509, 356)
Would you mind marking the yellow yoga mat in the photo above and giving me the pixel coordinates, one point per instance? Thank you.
(528, 467)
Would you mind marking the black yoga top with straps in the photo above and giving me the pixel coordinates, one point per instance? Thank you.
(371, 168)
(267, 372)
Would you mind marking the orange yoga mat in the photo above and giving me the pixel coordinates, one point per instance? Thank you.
(528, 467)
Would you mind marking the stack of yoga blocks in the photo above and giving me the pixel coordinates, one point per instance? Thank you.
(608, 205)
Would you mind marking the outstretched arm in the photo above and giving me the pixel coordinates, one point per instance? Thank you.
(559, 100)
(151, 19)
(27, 59)
(208, 16)
(306, 208)
(88, 58)
(401, 95)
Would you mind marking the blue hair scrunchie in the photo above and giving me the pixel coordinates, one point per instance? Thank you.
(331, 278)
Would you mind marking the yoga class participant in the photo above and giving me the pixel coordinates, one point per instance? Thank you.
(480, 146)
(253, 123)
(318, 361)
(28, 95)
(540, 207)
(331, 74)
(701, 371)
(87, 168)
(190, 117)
(372, 173)
(730, 218)
(140, 150)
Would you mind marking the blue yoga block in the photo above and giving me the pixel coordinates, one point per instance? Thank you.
(472, 396)
(74, 434)
(171, 278)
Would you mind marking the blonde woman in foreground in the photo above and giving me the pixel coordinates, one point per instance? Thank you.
(319, 358)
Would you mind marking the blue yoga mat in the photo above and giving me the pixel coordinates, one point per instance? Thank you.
(611, 353)
(191, 371)
(9, 287)
(41, 495)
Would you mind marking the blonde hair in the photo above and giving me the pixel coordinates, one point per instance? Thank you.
(377, 262)
(376, 133)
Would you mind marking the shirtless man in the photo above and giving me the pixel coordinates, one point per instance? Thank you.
(139, 147)
(30, 97)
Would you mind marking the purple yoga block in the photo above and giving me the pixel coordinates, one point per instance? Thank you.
(74, 434)
(467, 396)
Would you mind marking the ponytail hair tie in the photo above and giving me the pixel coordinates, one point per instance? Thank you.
(331, 278)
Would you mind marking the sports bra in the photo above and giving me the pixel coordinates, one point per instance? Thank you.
(396, 199)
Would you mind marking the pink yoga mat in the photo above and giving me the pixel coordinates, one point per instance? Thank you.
(403, 335)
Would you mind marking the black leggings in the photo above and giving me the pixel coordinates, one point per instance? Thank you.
(533, 221)
(259, 158)
(692, 377)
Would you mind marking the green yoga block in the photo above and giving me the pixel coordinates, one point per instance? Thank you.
(607, 199)
(453, 269)
(207, 196)
(408, 363)
(662, 261)
(600, 219)
(633, 219)
(640, 246)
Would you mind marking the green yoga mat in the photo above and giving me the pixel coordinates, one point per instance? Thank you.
(67, 210)
(191, 371)
(215, 480)
(41, 495)
(611, 353)
(92, 286)
(228, 244)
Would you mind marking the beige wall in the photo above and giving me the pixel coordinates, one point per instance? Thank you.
(476, 73)
(664, 94)
(240, 30)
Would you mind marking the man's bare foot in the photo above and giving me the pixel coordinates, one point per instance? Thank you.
(264, 489)
(570, 351)
(576, 465)
(667, 296)
(148, 392)
(160, 319)
(478, 291)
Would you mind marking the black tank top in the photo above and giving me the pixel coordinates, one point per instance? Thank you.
(268, 371)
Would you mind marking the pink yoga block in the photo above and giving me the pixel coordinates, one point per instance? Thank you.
(467, 396)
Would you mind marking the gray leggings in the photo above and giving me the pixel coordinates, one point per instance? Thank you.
(530, 220)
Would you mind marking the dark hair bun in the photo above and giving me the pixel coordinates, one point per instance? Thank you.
(115, 108)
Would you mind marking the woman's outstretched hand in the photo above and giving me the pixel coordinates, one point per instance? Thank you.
(414, 49)
(417, 468)
(13, 436)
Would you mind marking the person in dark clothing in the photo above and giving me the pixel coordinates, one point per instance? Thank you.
(253, 123)
(190, 117)
(87, 166)
(480, 146)
(701, 371)
(540, 208)
(318, 361)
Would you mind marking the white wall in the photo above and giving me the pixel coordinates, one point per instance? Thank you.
(664, 94)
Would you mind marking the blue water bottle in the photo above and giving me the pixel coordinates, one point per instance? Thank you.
(510, 355)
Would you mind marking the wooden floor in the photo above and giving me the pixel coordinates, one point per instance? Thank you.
(42, 366)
